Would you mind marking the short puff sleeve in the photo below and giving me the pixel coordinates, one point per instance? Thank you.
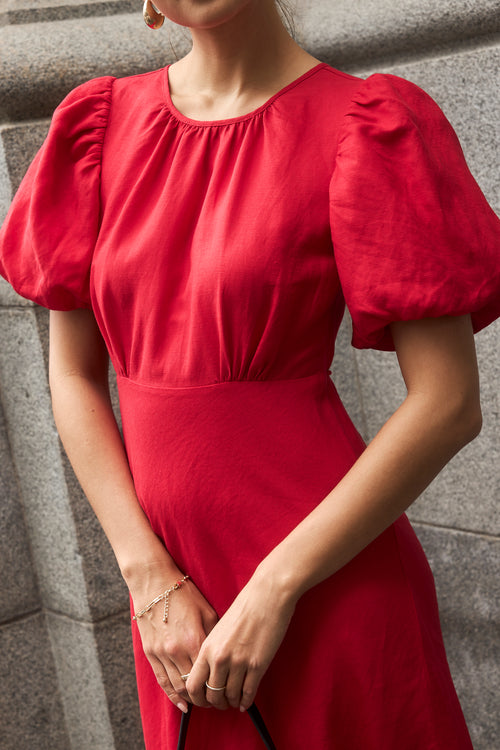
(413, 234)
(49, 234)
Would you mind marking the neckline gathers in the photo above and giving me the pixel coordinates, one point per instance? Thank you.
(240, 118)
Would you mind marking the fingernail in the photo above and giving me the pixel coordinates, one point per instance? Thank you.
(242, 709)
(182, 706)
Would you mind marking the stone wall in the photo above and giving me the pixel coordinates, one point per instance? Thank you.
(66, 664)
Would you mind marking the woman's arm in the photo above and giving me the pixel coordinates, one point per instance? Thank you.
(78, 375)
(440, 414)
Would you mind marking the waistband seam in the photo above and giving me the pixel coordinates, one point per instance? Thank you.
(326, 374)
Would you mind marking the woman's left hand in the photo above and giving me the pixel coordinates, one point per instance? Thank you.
(237, 652)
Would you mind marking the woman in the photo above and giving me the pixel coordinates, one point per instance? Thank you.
(203, 224)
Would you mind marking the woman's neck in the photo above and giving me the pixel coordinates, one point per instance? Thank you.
(234, 63)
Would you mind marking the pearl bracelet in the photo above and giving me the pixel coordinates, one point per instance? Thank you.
(165, 596)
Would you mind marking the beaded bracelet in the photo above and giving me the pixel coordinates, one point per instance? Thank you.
(165, 596)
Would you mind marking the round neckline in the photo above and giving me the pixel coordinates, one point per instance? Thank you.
(239, 118)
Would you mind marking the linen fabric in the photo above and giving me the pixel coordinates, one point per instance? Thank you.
(216, 257)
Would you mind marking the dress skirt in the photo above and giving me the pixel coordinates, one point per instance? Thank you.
(224, 472)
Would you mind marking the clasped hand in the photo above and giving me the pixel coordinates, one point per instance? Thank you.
(232, 653)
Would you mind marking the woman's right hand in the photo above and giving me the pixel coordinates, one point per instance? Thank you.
(172, 647)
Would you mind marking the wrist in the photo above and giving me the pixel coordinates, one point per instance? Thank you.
(283, 584)
(144, 577)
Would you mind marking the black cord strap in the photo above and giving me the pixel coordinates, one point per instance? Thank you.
(181, 742)
(257, 719)
(254, 714)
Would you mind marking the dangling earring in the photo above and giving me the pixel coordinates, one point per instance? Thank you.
(152, 16)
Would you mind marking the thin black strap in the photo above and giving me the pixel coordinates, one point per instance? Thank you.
(254, 714)
(181, 743)
(257, 719)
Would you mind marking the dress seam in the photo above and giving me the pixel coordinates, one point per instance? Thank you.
(169, 107)
(219, 382)
(104, 128)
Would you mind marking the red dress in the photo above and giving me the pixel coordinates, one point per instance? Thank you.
(216, 257)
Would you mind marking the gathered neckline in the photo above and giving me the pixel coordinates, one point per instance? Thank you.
(239, 118)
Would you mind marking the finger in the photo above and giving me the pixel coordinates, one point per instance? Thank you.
(166, 685)
(216, 685)
(174, 675)
(184, 673)
(195, 684)
(234, 686)
(179, 675)
(249, 689)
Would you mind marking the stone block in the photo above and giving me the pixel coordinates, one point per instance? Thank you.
(36, 453)
(18, 592)
(114, 647)
(346, 377)
(90, 687)
(73, 51)
(76, 568)
(31, 713)
(20, 143)
(5, 184)
(35, 11)
(349, 33)
(466, 568)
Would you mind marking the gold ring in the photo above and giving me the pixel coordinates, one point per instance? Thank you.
(184, 677)
(212, 688)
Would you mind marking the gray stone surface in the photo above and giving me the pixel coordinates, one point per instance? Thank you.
(74, 51)
(36, 453)
(466, 568)
(34, 11)
(345, 375)
(5, 185)
(18, 592)
(80, 683)
(31, 714)
(352, 33)
(114, 646)
(96, 676)
(20, 143)
(63, 529)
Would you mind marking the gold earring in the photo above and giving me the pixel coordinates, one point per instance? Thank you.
(152, 16)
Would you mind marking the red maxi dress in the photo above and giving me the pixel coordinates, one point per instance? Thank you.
(217, 258)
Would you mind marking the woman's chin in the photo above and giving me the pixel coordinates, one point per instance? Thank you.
(201, 14)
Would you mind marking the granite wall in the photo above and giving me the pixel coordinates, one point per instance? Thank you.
(66, 664)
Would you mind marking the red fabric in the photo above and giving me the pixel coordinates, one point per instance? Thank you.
(413, 233)
(206, 253)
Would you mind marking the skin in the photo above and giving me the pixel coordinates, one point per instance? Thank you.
(241, 56)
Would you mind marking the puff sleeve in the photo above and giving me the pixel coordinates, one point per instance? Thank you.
(413, 234)
(48, 237)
